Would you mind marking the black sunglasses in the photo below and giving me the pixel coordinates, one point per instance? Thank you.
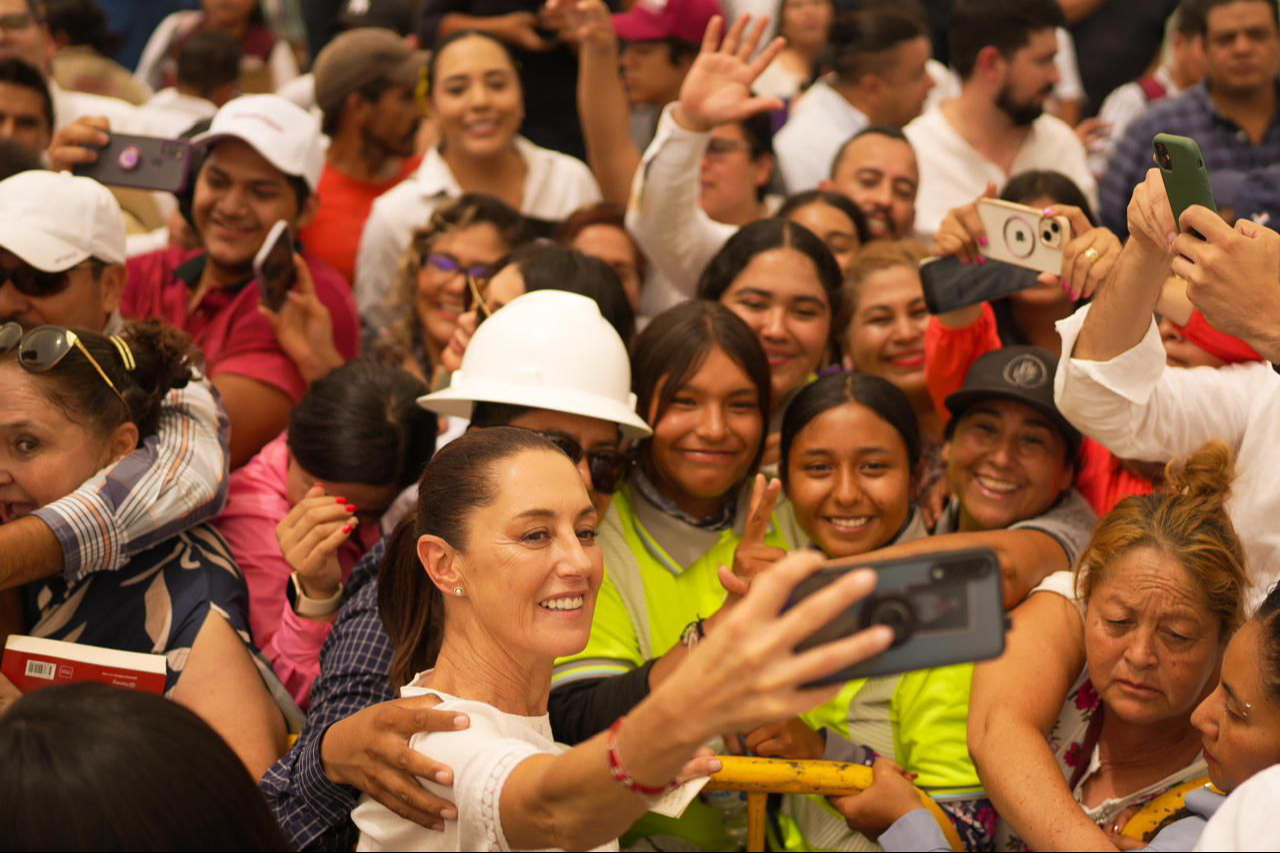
(608, 467)
(44, 347)
(38, 284)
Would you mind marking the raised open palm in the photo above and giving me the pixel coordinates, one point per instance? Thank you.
(717, 88)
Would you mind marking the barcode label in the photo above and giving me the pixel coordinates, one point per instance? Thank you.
(36, 669)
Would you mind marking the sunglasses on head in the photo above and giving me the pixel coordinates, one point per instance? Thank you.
(39, 284)
(608, 467)
(44, 347)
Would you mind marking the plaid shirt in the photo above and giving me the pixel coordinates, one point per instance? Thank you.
(313, 811)
(1228, 152)
(175, 480)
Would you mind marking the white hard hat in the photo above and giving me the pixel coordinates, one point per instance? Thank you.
(546, 350)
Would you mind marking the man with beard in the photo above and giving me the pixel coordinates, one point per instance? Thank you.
(365, 82)
(1232, 114)
(1004, 52)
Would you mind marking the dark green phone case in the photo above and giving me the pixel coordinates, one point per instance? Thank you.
(1185, 179)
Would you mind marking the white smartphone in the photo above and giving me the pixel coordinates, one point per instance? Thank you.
(1023, 236)
(273, 266)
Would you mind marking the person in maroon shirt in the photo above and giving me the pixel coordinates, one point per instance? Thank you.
(264, 156)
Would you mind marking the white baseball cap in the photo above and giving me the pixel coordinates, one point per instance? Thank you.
(55, 220)
(546, 350)
(287, 136)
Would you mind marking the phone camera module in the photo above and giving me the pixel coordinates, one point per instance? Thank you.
(130, 158)
(895, 611)
(1163, 157)
(1019, 237)
(1051, 233)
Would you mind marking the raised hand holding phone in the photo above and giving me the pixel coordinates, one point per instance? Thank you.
(304, 327)
(1186, 181)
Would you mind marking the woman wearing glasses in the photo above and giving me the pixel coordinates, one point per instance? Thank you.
(465, 240)
(75, 402)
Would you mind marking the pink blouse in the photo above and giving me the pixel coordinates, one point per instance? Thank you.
(255, 505)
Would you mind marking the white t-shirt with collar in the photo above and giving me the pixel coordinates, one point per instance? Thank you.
(952, 173)
(481, 756)
(555, 186)
(821, 121)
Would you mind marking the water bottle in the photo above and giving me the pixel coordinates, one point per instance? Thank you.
(732, 808)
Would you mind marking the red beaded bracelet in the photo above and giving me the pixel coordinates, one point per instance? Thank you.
(620, 774)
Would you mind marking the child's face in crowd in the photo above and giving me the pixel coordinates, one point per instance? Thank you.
(535, 543)
(477, 99)
(1153, 647)
(880, 174)
(85, 303)
(648, 73)
(1006, 463)
(849, 480)
(239, 196)
(1240, 721)
(730, 176)
(614, 247)
(833, 227)
(886, 337)
(44, 455)
(440, 292)
(705, 442)
(30, 43)
(781, 298)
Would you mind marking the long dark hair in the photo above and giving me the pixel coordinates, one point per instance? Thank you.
(460, 479)
(165, 359)
(876, 393)
(91, 767)
(673, 348)
(362, 424)
(1042, 183)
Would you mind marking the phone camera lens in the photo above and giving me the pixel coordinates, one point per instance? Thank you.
(129, 158)
(894, 611)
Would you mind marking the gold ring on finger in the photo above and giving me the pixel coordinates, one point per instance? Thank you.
(1090, 253)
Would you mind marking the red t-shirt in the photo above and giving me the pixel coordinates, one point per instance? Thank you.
(333, 235)
(226, 325)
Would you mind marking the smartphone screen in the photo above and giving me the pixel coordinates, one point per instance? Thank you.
(274, 266)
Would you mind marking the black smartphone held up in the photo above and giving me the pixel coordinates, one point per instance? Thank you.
(950, 284)
(1186, 181)
(944, 608)
(274, 268)
(141, 162)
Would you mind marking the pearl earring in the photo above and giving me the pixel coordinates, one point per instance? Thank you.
(457, 590)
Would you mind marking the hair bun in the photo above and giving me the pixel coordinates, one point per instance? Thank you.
(1205, 475)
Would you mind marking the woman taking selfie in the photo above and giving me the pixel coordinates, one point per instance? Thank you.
(475, 97)
(74, 402)
(493, 584)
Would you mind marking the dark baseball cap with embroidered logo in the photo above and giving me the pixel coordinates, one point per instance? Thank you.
(1022, 374)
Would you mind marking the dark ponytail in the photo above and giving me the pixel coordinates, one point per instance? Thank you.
(460, 479)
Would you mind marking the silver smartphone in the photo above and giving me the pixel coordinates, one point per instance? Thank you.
(944, 608)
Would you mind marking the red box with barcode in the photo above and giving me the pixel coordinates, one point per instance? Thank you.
(34, 662)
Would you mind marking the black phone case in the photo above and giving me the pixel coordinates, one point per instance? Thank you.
(142, 162)
(946, 608)
(950, 284)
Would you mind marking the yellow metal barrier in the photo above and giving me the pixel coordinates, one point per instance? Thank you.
(1160, 808)
(760, 777)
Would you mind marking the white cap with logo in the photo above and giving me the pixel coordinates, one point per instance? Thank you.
(287, 136)
(55, 220)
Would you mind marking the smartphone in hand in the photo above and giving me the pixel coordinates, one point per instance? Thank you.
(141, 162)
(274, 268)
(944, 608)
(1023, 236)
(1186, 181)
(949, 284)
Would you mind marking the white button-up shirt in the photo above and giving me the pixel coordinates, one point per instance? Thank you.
(952, 173)
(820, 123)
(1140, 409)
(555, 185)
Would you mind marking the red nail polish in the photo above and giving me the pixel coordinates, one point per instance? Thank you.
(341, 500)
(982, 241)
(348, 528)
(351, 507)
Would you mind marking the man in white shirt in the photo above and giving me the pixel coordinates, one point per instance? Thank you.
(208, 77)
(1182, 68)
(1004, 52)
(24, 35)
(1113, 384)
(880, 56)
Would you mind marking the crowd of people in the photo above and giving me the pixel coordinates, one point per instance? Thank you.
(683, 246)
